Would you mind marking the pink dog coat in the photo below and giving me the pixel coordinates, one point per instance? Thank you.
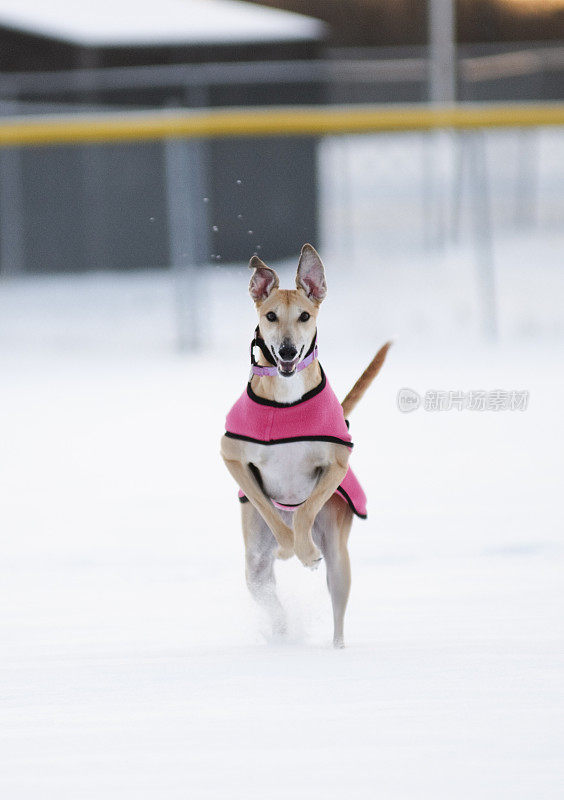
(317, 416)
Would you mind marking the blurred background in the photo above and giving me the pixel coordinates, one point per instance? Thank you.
(196, 205)
(131, 653)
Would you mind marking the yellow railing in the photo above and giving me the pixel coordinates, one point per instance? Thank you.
(287, 121)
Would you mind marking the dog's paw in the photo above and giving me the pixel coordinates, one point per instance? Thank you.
(285, 553)
(310, 557)
(339, 643)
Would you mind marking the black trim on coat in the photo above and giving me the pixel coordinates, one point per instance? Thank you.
(332, 439)
(307, 396)
(339, 489)
(350, 502)
(245, 499)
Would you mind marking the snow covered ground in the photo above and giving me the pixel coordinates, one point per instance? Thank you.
(133, 664)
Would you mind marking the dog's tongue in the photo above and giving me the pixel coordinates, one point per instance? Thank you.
(287, 367)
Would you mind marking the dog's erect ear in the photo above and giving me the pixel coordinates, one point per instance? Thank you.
(263, 281)
(310, 275)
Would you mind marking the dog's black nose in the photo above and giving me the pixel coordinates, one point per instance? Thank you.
(287, 351)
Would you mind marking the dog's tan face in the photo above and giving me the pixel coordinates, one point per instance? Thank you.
(287, 317)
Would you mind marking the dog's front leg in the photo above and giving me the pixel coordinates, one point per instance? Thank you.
(305, 515)
(248, 484)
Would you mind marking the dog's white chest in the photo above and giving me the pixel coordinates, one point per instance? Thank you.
(289, 471)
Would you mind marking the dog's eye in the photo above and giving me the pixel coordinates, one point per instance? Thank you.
(271, 316)
(304, 316)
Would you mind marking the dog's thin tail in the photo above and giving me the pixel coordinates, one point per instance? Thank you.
(365, 380)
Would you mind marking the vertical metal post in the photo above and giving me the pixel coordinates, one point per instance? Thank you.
(428, 169)
(12, 247)
(187, 233)
(347, 200)
(185, 168)
(483, 239)
(526, 178)
(442, 77)
(442, 51)
(93, 166)
(442, 89)
(433, 188)
(459, 155)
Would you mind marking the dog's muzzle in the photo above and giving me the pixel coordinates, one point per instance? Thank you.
(280, 365)
(287, 358)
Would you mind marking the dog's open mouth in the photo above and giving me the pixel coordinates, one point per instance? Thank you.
(287, 368)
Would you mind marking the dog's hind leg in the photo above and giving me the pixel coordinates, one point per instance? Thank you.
(331, 533)
(260, 554)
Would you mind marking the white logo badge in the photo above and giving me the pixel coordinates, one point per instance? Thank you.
(408, 400)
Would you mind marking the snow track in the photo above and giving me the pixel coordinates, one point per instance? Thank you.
(133, 663)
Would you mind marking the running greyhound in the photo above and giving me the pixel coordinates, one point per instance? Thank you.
(287, 443)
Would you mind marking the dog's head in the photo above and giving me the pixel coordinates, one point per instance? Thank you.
(287, 317)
